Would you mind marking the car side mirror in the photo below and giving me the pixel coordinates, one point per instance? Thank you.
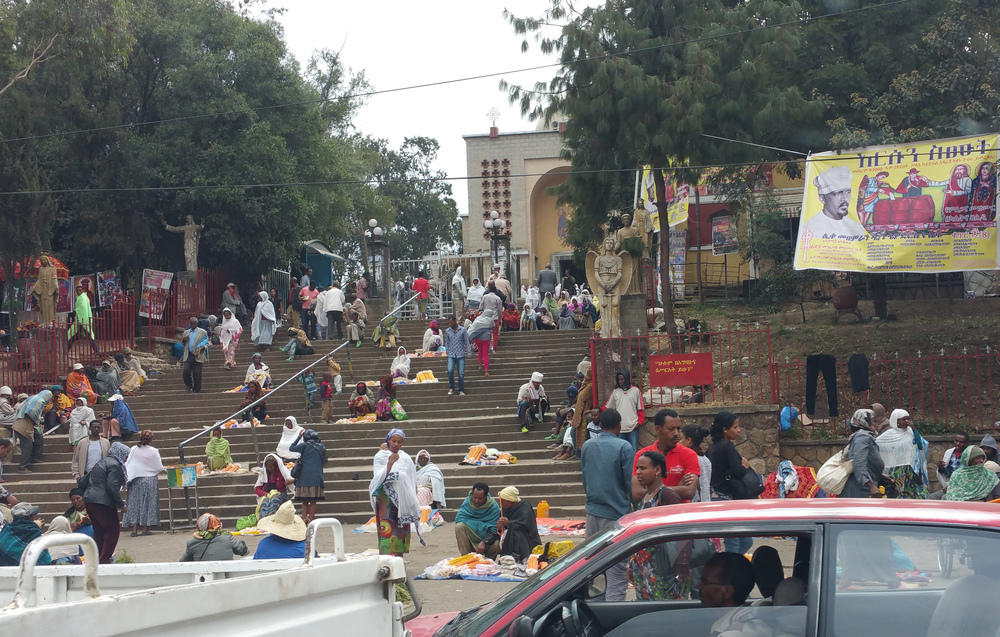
(597, 586)
(521, 627)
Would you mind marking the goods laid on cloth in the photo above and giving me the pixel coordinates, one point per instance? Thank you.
(790, 481)
(481, 455)
(552, 526)
(475, 567)
(430, 519)
(347, 421)
(233, 467)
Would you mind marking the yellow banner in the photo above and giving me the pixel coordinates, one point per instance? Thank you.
(924, 207)
(676, 196)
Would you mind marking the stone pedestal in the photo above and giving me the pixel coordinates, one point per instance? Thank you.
(633, 315)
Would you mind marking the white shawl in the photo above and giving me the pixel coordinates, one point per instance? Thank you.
(230, 328)
(288, 438)
(79, 421)
(431, 339)
(405, 485)
(458, 283)
(282, 469)
(896, 445)
(143, 462)
(264, 311)
(253, 372)
(429, 474)
(318, 309)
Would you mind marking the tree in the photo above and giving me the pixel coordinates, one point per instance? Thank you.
(643, 82)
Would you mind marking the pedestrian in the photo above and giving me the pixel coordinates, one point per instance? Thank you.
(494, 301)
(904, 452)
(28, 419)
(361, 286)
(547, 280)
(333, 305)
(393, 492)
(196, 344)
(293, 307)
(326, 397)
(727, 467)
(83, 319)
(264, 323)
(309, 483)
(475, 295)
(458, 346)
(89, 451)
(421, 286)
(627, 400)
(606, 466)
(308, 297)
(307, 278)
(458, 292)
(143, 467)
(481, 331)
(101, 493)
(683, 468)
(229, 336)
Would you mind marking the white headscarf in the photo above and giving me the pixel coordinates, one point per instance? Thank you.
(288, 438)
(431, 475)
(459, 281)
(60, 524)
(405, 486)
(263, 311)
(79, 421)
(230, 328)
(896, 446)
(282, 469)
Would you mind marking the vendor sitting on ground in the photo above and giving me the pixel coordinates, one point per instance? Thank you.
(211, 543)
(362, 401)
(355, 329)
(289, 434)
(134, 364)
(517, 518)
(131, 381)
(18, 534)
(274, 477)
(430, 482)
(298, 344)
(79, 521)
(287, 537)
(531, 402)
(217, 451)
(77, 384)
(258, 411)
(476, 520)
(258, 371)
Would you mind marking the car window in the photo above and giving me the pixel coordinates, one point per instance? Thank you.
(897, 581)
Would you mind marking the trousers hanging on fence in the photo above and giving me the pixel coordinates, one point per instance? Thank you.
(857, 367)
(826, 363)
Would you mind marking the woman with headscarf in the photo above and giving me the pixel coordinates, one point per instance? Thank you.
(133, 363)
(143, 467)
(481, 333)
(309, 484)
(362, 401)
(210, 543)
(78, 385)
(430, 482)
(393, 492)
(274, 476)
(289, 434)
(879, 420)
(550, 304)
(264, 321)
(511, 318)
(258, 411)
(229, 336)
(99, 388)
(904, 452)
(433, 338)
(386, 332)
(566, 320)
(109, 376)
(130, 379)
(28, 418)
(258, 371)
(7, 407)
(101, 492)
(545, 319)
(528, 318)
(124, 424)
(66, 554)
(217, 451)
(458, 292)
(79, 421)
(864, 453)
(972, 481)
(533, 297)
(383, 402)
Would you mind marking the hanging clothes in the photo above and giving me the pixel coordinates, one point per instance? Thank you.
(826, 363)
(857, 367)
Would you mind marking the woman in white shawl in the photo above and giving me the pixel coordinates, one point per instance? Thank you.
(66, 554)
(262, 327)
(289, 434)
(533, 298)
(430, 482)
(393, 492)
(458, 292)
(229, 336)
(904, 452)
(258, 371)
(79, 421)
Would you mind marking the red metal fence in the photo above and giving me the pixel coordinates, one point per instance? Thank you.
(740, 364)
(44, 354)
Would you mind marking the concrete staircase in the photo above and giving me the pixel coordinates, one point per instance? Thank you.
(444, 425)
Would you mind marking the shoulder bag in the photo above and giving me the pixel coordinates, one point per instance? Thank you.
(832, 476)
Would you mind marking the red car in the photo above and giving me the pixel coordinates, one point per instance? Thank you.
(887, 568)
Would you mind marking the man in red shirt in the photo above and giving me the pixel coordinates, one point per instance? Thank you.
(421, 286)
(683, 468)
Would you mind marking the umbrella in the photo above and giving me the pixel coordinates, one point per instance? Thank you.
(62, 272)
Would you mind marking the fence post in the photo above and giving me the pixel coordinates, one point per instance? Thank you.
(771, 368)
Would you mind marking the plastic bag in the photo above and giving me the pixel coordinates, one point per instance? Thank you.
(398, 413)
(246, 522)
(400, 364)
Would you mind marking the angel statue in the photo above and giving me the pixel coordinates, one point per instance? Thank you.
(612, 272)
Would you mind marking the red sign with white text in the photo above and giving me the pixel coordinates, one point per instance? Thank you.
(678, 370)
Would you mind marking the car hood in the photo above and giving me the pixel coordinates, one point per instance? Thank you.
(427, 625)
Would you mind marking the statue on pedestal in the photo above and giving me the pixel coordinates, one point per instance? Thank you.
(630, 231)
(46, 290)
(645, 225)
(192, 235)
(611, 272)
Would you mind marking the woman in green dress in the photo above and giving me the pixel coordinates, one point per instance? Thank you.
(217, 451)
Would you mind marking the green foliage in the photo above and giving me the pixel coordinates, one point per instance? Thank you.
(124, 558)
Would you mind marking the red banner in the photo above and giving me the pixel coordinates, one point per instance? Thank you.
(679, 370)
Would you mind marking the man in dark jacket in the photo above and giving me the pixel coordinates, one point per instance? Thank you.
(517, 518)
(18, 534)
(547, 280)
(101, 492)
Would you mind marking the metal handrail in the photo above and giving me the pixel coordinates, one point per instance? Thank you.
(295, 376)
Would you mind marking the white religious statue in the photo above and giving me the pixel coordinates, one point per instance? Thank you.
(611, 272)
(192, 236)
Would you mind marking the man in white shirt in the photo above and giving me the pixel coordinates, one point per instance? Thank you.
(834, 188)
(333, 305)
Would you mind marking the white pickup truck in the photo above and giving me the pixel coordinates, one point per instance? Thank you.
(242, 597)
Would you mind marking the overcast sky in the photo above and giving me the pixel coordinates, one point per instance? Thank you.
(401, 43)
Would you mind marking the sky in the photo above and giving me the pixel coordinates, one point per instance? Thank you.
(403, 43)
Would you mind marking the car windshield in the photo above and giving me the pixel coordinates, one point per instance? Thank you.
(475, 623)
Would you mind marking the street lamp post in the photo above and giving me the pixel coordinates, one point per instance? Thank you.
(374, 235)
(496, 228)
